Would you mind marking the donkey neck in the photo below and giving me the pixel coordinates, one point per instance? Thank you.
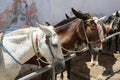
(68, 34)
(19, 46)
(108, 26)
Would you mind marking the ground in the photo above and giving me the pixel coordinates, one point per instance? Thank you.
(108, 68)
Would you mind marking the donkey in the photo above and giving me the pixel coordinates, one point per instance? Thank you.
(86, 17)
(20, 45)
(114, 26)
(75, 30)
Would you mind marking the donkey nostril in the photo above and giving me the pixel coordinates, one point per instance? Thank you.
(61, 67)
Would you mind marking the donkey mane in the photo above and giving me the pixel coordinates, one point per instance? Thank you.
(64, 22)
(65, 26)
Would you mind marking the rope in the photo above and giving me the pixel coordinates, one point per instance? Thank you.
(9, 29)
(37, 52)
(10, 54)
(43, 60)
(74, 51)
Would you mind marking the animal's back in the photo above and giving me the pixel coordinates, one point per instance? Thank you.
(21, 31)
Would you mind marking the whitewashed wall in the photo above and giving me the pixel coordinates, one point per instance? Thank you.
(95, 7)
(54, 11)
(16, 13)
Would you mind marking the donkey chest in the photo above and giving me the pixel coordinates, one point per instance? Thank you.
(9, 69)
(9, 73)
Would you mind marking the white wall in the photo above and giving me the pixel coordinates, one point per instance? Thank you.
(54, 11)
(37, 9)
(95, 7)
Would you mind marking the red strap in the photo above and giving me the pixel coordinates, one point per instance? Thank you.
(36, 41)
(96, 27)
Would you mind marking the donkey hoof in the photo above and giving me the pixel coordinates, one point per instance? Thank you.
(118, 52)
(68, 79)
(91, 64)
(61, 78)
(96, 63)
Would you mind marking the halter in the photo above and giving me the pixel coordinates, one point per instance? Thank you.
(118, 19)
(88, 42)
(4, 48)
(37, 51)
(35, 48)
(86, 37)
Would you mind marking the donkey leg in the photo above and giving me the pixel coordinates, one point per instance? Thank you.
(117, 43)
(61, 76)
(96, 60)
(109, 44)
(97, 57)
(92, 60)
(68, 65)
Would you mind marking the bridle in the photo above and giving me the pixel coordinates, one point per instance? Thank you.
(35, 44)
(86, 37)
(89, 43)
(87, 40)
(117, 19)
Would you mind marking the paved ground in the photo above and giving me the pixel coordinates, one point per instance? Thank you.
(108, 68)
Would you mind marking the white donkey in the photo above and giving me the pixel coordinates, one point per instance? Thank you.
(19, 46)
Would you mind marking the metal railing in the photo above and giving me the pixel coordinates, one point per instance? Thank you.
(48, 67)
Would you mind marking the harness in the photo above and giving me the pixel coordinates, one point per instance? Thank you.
(37, 51)
(35, 48)
(87, 40)
(1, 44)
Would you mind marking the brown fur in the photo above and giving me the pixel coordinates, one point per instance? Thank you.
(72, 31)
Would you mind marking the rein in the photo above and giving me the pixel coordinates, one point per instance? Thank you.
(74, 51)
(36, 49)
(4, 48)
(88, 42)
(1, 44)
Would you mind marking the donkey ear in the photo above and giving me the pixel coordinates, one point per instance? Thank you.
(67, 16)
(46, 29)
(102, 18)
(47, 23)
(117, 14)
(78, 14)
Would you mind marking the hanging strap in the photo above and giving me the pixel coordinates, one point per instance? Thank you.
(10, 54)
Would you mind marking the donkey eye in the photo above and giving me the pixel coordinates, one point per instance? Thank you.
(54, 45)
(93, 28)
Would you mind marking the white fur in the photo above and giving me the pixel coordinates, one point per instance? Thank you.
(19, 44)
(115, 13)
